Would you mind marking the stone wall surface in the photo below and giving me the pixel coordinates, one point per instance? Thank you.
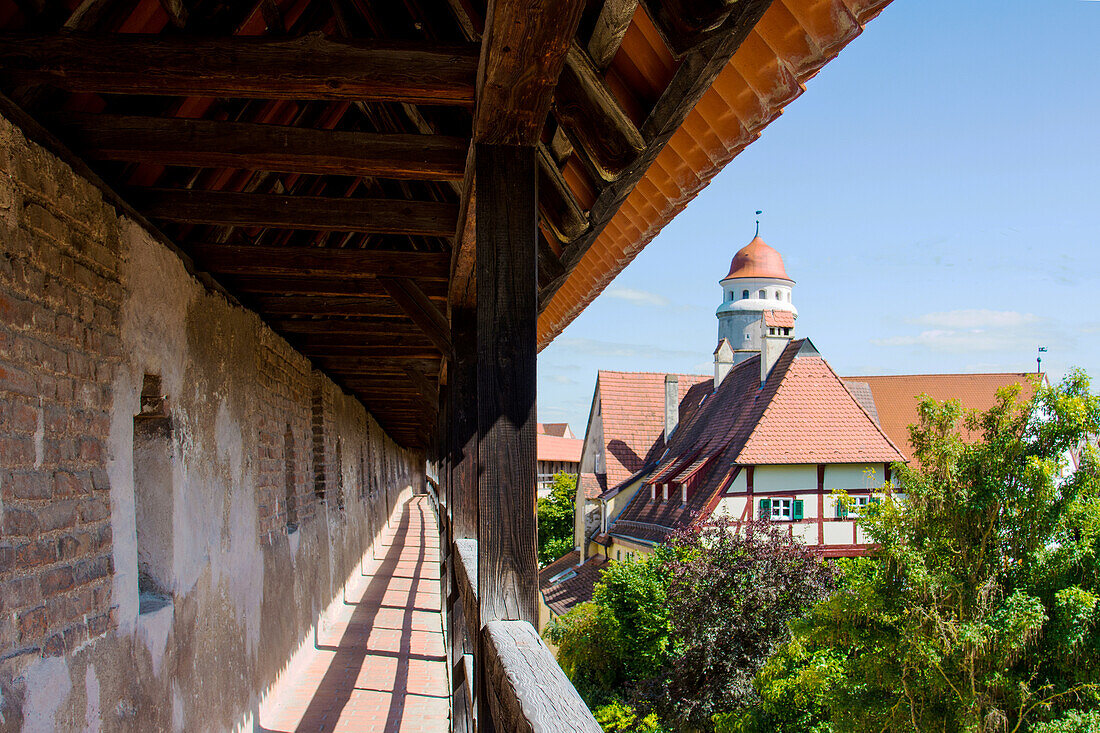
(275, 484)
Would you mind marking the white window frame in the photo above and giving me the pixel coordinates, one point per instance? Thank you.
(782, 510)
(856, 505)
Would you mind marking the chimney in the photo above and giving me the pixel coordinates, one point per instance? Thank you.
(723, 361)
(672, 404)
(777, 330)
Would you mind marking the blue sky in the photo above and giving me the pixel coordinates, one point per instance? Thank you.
(935, 194)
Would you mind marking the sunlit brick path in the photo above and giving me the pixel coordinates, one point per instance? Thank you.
(380, 664)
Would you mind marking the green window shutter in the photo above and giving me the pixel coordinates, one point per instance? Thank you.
(797, 513)
(841, 510)
(765, 508)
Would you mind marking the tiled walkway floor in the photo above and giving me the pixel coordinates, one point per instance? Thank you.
(380, 666)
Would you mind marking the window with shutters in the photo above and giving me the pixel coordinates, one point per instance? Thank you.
(853, 506)
(781, 510)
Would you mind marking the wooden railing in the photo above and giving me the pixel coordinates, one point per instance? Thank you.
(522, 687)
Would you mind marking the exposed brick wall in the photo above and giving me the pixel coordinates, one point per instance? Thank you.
(89, 305)
(59, 346)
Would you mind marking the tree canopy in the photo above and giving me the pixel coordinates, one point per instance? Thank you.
(555, 518)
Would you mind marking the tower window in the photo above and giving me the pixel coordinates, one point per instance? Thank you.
(763, 294)
(778, 296)
(744, 293)
(771, 331)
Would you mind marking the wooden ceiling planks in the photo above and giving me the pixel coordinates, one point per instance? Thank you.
(314, 156)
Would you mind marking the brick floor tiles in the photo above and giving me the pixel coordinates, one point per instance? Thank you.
(379, 667)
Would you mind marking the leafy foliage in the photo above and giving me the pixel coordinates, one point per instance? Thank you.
(980, 611)
(555, 518)
(619, 638)
(733, 590)
(617, 717)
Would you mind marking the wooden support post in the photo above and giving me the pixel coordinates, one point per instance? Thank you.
(506, 267)
(462, 391)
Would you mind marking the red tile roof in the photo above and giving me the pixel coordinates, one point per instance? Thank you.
(632, 407)
(571, 590)
(896, 396)
(779, 319)
(593, 484)
(557, 429)
(802, 414)
(813, 419)
(551, 448)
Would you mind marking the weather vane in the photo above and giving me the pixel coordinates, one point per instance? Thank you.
(758, 213)
(1039, 359)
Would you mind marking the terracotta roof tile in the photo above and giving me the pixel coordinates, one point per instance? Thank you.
(792, 42)
(593, 484)
(632, 407)
(779, 319)
(571, 589)
(552, 448)
(895, 397)
(802, 414)
(814, 419)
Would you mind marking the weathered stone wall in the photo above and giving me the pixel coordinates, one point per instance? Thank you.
(269, 487)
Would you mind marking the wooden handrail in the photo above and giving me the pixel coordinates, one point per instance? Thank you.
(526, 689)
(529, 692)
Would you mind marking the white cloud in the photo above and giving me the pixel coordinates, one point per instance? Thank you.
(593, 347)
(975, 318)
(638, 297)
(974, 329)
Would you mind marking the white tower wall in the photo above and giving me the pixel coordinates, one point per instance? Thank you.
(745, 300)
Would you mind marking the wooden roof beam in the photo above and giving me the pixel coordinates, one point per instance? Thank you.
(609, 31)
(212, 144)
(696, 73)
(307, 68)
(522, 53)
(420, 310)
(223, 208)
(594, 118)
(225, 259)
(333, 286)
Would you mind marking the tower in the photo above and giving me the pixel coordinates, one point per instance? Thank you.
(757, 283)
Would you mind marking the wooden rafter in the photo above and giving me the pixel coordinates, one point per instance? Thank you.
(213, 144)
(696, 73)
(221, 208)
(312, 67)
(420, 310)
(320, 262)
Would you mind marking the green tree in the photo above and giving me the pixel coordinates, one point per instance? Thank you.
(608, 645)
(979, 611)
(555, 518)
(733, 591)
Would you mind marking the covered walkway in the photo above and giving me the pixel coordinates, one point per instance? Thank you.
(378, 663)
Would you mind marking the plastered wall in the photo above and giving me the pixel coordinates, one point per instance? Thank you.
(264, 523)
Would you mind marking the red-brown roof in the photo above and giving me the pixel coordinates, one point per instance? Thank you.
(813, 419)
(593, 484)
(779, 319)
(557, 429)
(570, 589)
(896, 397)
(552, 448)
(757, 259)
(802, 414)
(632, 406)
